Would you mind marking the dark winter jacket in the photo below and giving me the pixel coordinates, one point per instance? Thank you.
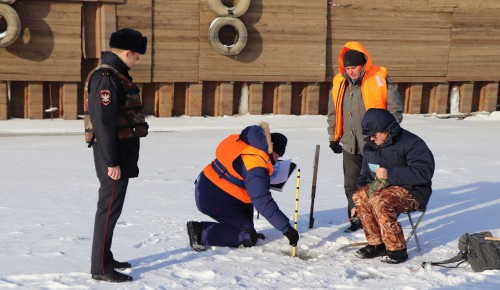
(111, 150)
(408, 160)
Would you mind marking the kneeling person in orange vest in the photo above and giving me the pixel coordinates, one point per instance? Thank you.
(229, 187)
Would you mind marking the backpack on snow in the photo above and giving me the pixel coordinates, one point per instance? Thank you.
(481, 250)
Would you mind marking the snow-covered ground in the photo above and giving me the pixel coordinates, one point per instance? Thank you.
(49, 194)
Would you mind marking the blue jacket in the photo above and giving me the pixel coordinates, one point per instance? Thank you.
(408, 160)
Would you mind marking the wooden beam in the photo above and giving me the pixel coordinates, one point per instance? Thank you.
(439, 99)
(69, 100)
(283, 99)
(34, 100)
(466, 96)
(224, 99)
(488, 97)
(310, 99)
(194, 99)
(164, 100)
(413, 99)
(255, 97)
(4, 101)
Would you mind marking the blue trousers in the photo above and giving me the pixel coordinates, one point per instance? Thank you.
(234, 219)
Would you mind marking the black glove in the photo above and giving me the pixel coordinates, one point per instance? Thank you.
(336, 147)
(293, 236)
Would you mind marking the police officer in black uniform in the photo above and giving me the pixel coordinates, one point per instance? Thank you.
(115, 158)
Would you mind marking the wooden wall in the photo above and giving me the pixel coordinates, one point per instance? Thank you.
(428, 46)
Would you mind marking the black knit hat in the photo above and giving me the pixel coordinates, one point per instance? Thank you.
(279, 143)
(129, 39)
(354, 58)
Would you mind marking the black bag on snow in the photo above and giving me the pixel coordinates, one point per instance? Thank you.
(478, 250)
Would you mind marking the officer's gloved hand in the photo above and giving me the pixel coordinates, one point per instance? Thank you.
(336, 147)
(293, 236)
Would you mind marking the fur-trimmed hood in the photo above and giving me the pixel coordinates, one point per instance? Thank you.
(258, 136)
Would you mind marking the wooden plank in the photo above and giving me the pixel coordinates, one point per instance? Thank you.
(69, 100)
(4, 101)
(489, 97)
(413, 99)
(283, 99)
(311, 99)
(286, 43)
(474, 45)
(225, 99)
(138, 14)
(194, 99)
(49, 47)
(255, 98)
(419, 47)
(148, 93)
(439, 98)
(164, 100)
(34, 100)
(177, 41)
(466, 96)
(107, 25)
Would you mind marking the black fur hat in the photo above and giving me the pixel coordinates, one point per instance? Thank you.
(129, 39)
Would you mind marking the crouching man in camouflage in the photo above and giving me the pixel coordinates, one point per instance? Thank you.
(395, 177)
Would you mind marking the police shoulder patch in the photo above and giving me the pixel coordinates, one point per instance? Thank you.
(105, 97)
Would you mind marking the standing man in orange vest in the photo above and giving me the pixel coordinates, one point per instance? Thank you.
(358, 87)
(229, 187)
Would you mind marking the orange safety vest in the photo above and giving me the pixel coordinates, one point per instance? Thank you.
(373, 90)
(222, 173)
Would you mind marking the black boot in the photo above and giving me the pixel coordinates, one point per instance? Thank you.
(121, 265)
(371, 251)
(355, 225)
(194, 233)
(395, 257)
(114, 276)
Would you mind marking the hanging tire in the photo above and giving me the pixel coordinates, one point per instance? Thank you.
(213, 35)
(8, 1)
(237, 10)
(10, 16)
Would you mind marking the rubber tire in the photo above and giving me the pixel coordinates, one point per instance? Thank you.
(213, 35)
(11, 34)
(235, 11)
(7, 1)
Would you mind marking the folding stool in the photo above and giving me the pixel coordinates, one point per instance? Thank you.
(414, 228)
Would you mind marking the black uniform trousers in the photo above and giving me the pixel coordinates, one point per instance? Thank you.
(109, 207)
(352, 168)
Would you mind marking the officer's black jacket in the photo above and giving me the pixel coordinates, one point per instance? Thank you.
(110, 150)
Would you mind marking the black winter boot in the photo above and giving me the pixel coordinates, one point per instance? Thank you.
(113, 276)
(194, 233)
(371, 251)
(395, 257)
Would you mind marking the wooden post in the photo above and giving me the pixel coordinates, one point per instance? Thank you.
(283, 99)
(224, 99)
(488, 97)
(194, 99)
(466, 96)
(439, 99)
(255, 97)
(164, 100)
(413, 99)
(33, 108)
(4, 101)
(69, 101)
(310, 99)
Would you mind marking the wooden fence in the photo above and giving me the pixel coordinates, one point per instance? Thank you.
(428, 47)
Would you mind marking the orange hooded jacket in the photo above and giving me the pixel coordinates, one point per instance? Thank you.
(373, 86)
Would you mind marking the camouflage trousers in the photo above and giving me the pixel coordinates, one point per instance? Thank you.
(379, 215)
